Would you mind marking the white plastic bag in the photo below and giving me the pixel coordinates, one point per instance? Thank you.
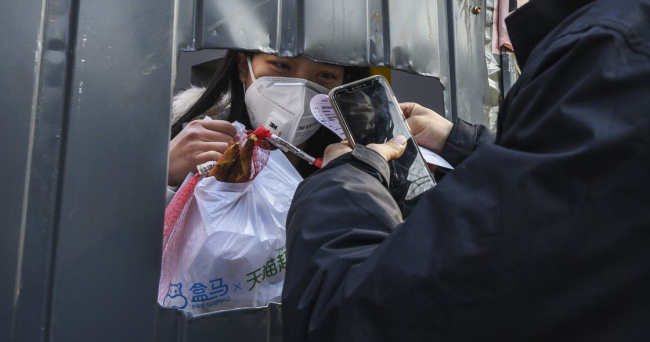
(227, 249)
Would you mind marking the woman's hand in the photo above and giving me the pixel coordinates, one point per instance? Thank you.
(429, 129)
(199, 142)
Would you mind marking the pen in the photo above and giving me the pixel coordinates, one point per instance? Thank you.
(288, 147)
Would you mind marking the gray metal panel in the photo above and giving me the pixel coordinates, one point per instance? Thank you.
(32, 311)
(244, 24)
(337, 31)
(439, 38)
(113, 185)
(446, 61)
(417, 35)
(185, 24)
(19, 50)
(97, 98)
(469, 70)
(404, 34)
(291, 26)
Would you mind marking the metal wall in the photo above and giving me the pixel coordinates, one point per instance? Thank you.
(468, 83)
(85, 100)
(19, 46)
(405, 34)
(438, 38)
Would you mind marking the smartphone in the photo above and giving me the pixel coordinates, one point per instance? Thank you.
(369, 113)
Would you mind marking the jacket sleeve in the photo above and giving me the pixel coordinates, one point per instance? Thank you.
(464, 139)
(535, 236)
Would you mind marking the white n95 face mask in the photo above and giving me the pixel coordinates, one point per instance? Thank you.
(281, 104)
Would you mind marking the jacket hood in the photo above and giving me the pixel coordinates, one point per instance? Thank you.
(184, 100)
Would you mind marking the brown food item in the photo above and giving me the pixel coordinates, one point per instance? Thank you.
(235, 166)
(223, 169)
(243, 168)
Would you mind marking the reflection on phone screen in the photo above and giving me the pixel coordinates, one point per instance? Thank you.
(373, 117)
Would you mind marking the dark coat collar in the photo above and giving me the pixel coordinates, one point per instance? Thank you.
(528, 25)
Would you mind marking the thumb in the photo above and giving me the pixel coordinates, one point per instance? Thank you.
(391, 149)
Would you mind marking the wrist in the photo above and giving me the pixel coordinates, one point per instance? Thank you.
(172, 180)
(445, 131)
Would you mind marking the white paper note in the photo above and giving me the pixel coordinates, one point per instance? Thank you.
(433, 158)
(324, 112)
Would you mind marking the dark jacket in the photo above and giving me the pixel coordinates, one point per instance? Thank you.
(542, 235)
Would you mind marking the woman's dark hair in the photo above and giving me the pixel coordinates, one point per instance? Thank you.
(226, 80)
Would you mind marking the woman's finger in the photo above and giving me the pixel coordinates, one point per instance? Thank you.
(220, 126)
(212, 146)
(206, 157)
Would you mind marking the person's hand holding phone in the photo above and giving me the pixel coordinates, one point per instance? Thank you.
(390, 150)
(429, 129)
(370, 115)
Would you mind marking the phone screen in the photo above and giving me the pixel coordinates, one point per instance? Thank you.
(371, 115)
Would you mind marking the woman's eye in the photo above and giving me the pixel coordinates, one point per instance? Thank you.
(280, 65)
(328, 75)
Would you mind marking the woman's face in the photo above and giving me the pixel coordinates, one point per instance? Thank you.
(326, 75)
